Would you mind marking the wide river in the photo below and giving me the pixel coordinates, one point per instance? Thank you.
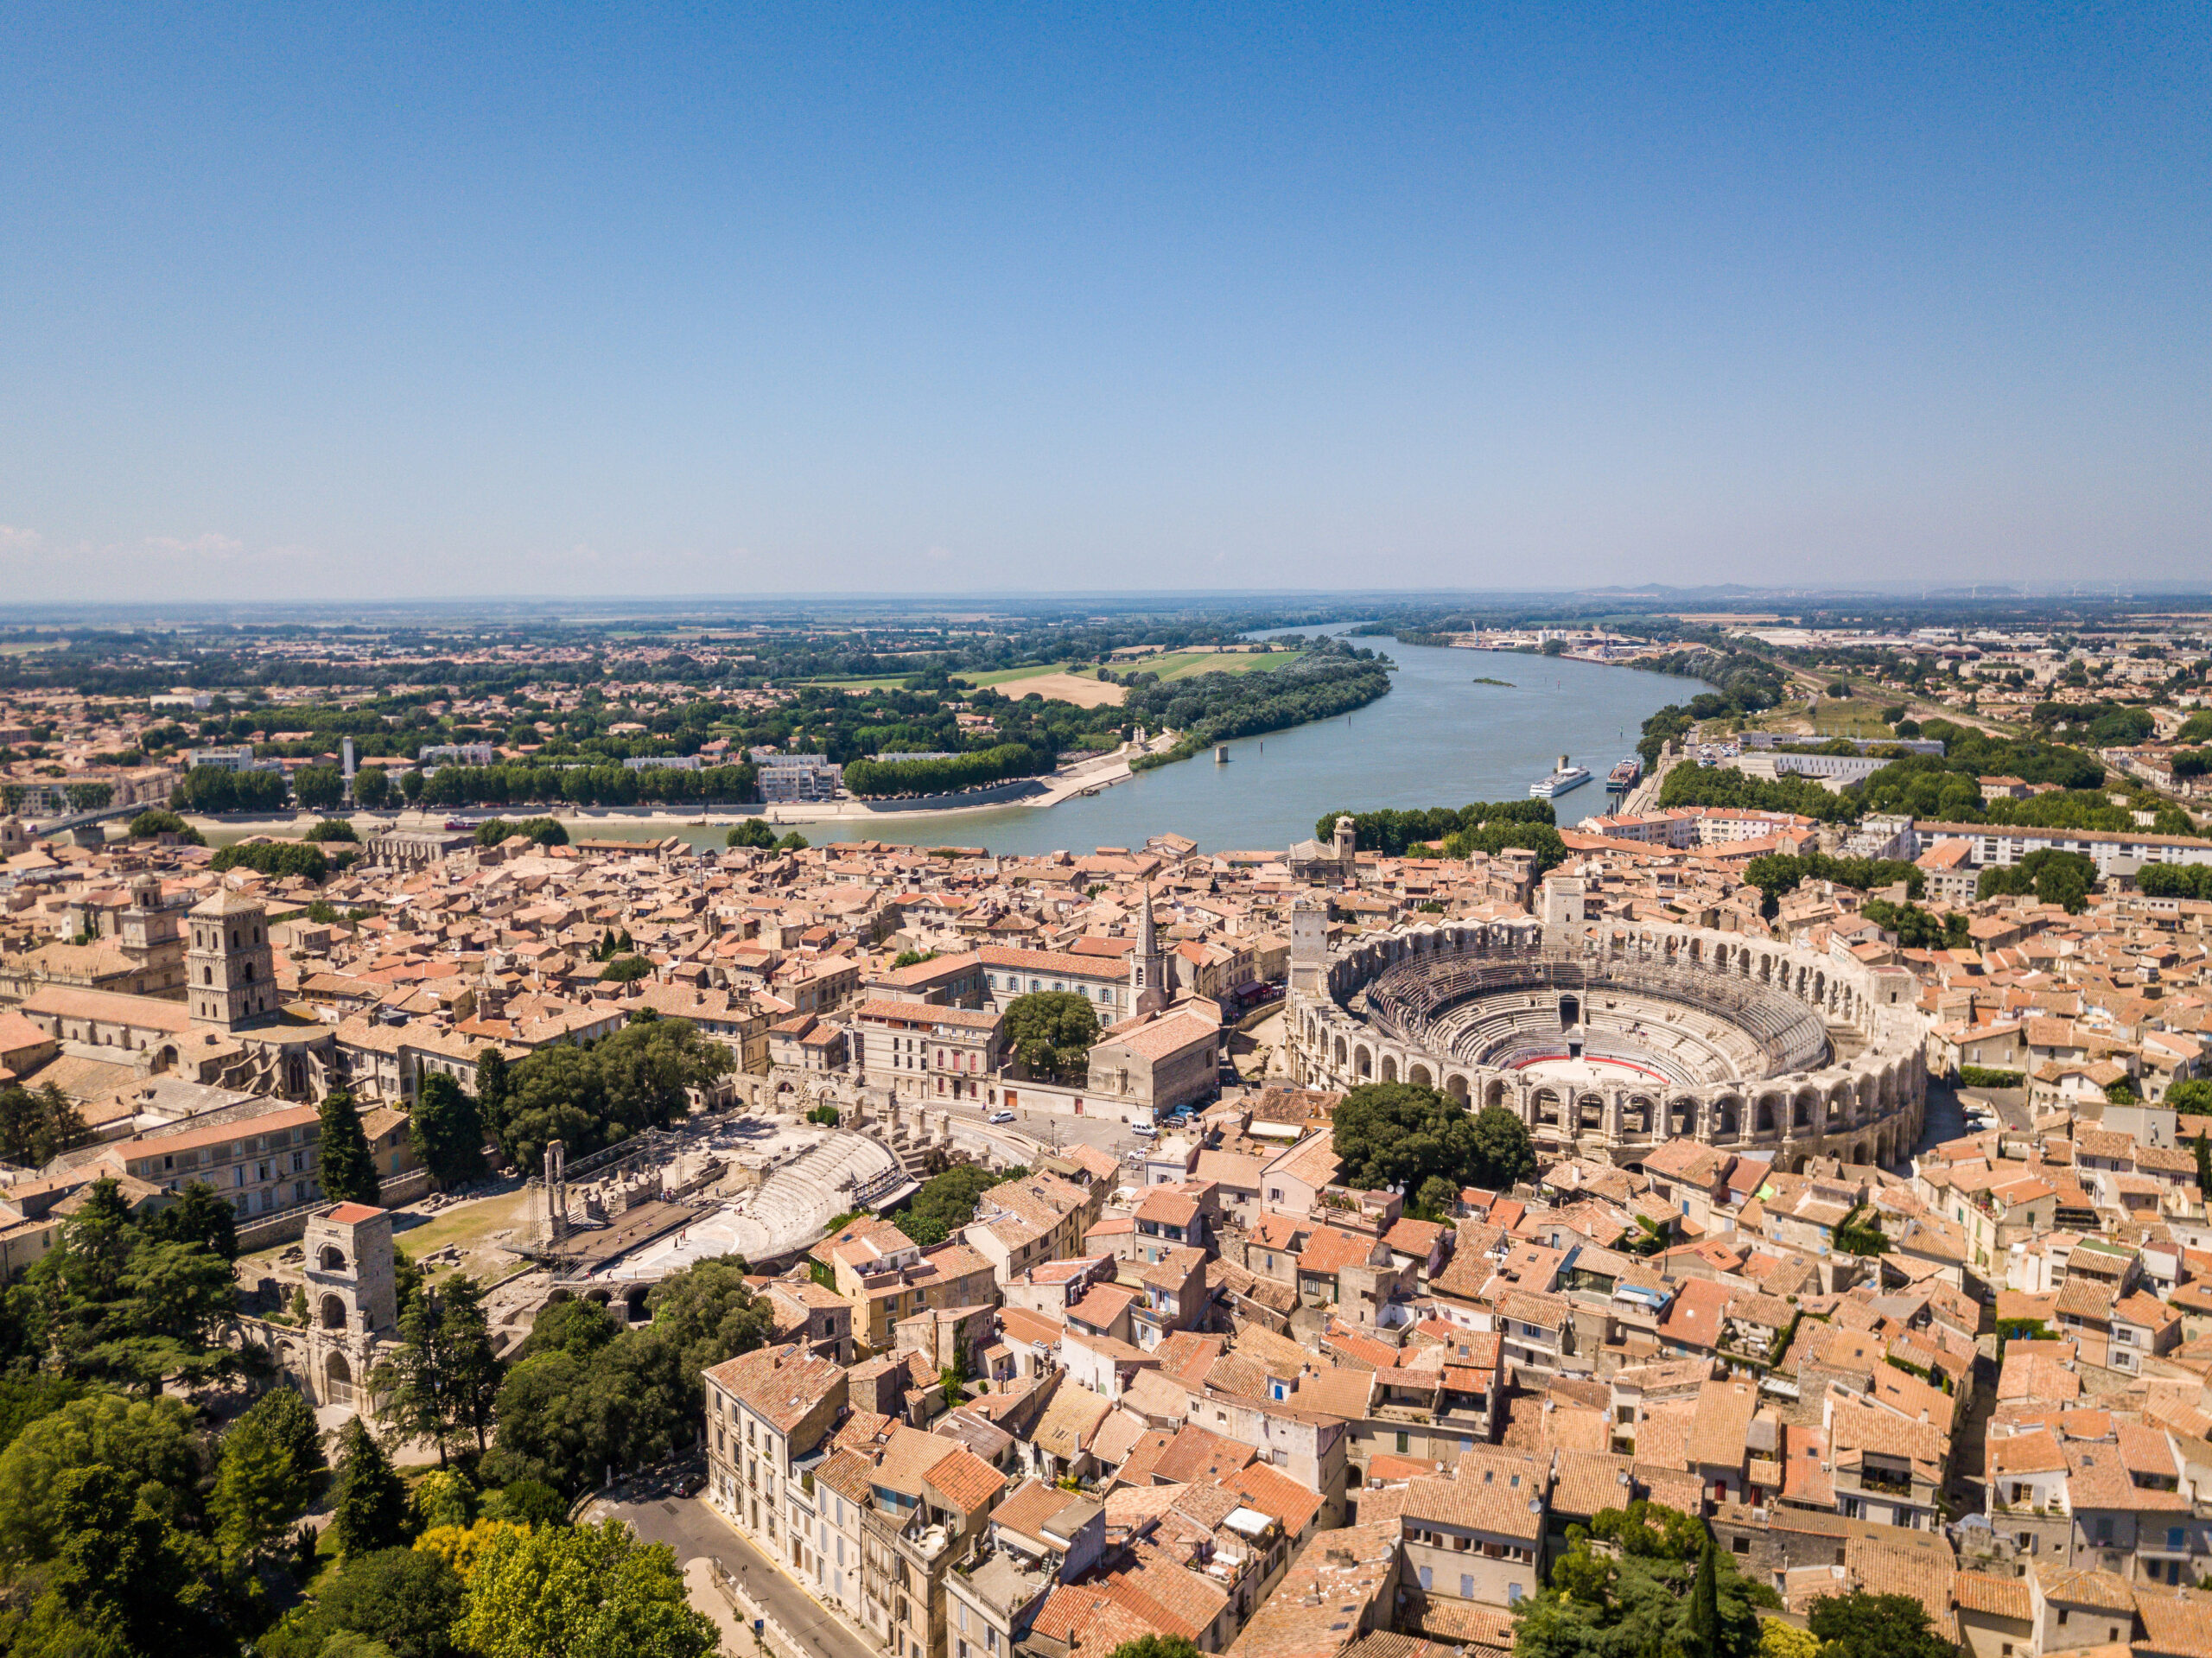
(1437, 740)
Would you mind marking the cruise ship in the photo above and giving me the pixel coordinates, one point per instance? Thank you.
(1566, 777)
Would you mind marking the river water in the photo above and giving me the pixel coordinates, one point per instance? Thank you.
(1437, 740)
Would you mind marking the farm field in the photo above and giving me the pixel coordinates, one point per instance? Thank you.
(1188, 665)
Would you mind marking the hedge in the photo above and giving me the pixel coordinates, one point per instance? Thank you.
(1984, 1076)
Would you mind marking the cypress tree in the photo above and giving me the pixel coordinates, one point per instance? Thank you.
(345, 1168)
(372, 1503)
(1703, 1636)
(491, 1087)
(2203, 1163)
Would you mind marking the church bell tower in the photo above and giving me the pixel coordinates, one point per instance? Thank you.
(1147, 966)
(229, 977)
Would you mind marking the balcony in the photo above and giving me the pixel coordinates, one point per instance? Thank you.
(1881, 1481)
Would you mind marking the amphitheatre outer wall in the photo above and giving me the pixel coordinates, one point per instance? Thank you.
(1855, 1090)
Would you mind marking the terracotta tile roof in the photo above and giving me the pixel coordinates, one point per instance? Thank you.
(966, 1482)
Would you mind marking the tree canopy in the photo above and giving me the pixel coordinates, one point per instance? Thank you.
(1052, 1032)
(447, 1130)
(115, 1301)
(1393, 1135)
(1862, 1625)
(636, 1079)
(344, 1166)
(585, 1395)
(585, 1593)
(2066, 878)
(947, 1202)
(1669, 1590)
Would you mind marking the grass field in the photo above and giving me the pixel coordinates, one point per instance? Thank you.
(1853, 716)
(1188, 665)
(1008, 676)
(469, 1227)
(883, 681)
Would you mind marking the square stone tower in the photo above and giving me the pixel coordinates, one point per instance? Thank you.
(1309, 948)
(230, 978)
(351, 1285)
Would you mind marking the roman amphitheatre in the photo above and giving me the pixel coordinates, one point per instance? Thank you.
(1612, 1037)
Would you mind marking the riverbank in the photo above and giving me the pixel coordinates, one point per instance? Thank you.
(1435, 740)
(1070, 783)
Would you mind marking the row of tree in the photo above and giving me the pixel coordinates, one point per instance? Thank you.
(218, 789)
(969, 770)
(1394, 832)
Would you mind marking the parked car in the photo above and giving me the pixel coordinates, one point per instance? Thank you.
(1001, 1115)
(691, 1484)
(1144, 1131)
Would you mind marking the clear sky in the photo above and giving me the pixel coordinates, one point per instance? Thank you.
(342, 301)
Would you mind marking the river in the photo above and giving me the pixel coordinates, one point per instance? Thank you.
(1437, 740)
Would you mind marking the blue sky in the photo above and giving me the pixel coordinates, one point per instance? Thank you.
(325, 302)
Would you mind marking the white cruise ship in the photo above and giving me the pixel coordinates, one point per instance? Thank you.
(1566, 777)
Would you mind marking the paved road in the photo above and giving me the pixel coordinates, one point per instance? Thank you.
(695, 1532)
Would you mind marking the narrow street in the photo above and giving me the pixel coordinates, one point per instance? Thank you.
(697, 1533)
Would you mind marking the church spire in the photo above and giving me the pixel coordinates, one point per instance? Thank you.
(1147, 970)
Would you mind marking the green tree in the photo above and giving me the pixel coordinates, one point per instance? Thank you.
(370, 1503)
(119, 1305)
(371, 788)
(627, 969)
(447, 1131)
(1052, 1032)
(1780, 1640)
(492, 1088)
(124, 1583)
(585, 1593)
(407, 1599)
(334, 828)
(1503, 1153)
(1647, 1599)
(2065, 879)
(443, 1377)
(148, 825)
(443, 1497)
(947, 1202)
(262, 1482)
(639, 1078)
(345, 1165)
(38, 1124)
(198, 1216)
(319, 788)
(1393, 1135)
(752, 832)
(708, 1315)
(147, 1443)
(1704, 1631)
(1862, 1625)
(278, 859)
(1156, 1646)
